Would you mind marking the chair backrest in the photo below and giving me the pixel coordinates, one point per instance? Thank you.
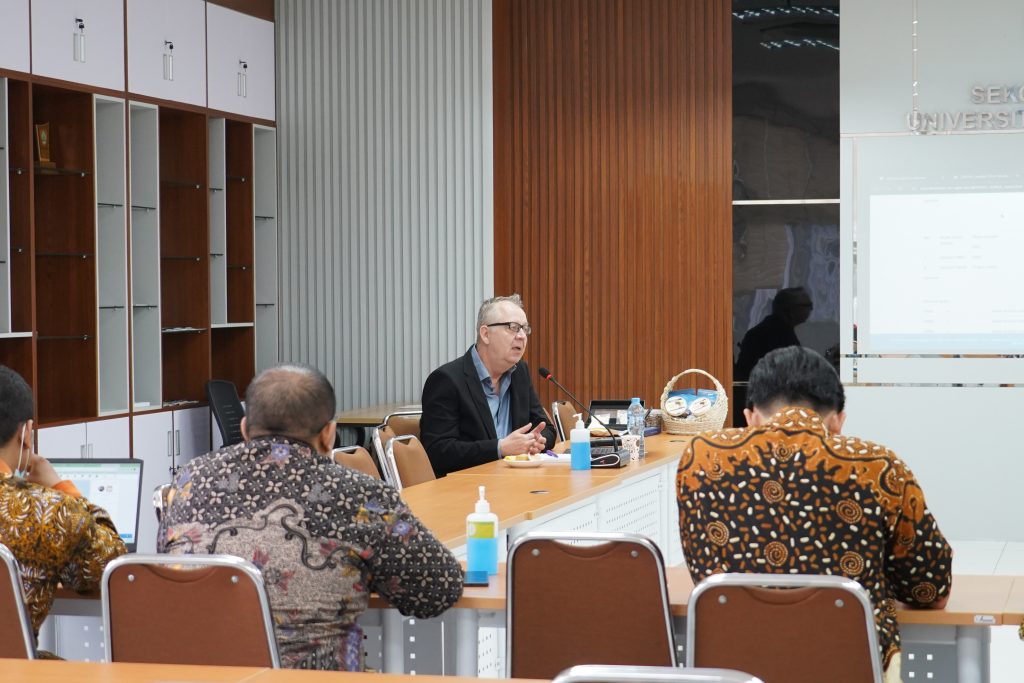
(595, 673)
(161, 499)
(16, 638)
(612, 603)
(404, 422)
(356, 458)
(379, 438)
(187, 609)
(227, 409)
(794, 628)
(408, 460)
(564, 418)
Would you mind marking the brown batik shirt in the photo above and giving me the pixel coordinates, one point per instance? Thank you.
(324, 536)
(788, 497)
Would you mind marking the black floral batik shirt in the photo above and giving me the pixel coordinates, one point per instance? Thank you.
(324, 536)
(790, 498)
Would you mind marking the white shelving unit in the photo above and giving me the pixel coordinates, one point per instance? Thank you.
(111, 255)
(147, 390)
(266, 248)
(218, 223)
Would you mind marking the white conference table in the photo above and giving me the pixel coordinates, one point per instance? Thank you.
(638, 498)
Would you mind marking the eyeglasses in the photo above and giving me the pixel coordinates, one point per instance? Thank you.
(514, 328)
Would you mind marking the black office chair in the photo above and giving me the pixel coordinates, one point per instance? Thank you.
(227, 409)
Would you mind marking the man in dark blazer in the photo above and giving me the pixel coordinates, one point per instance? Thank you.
(483, 406)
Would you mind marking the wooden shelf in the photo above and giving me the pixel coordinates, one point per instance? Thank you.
(65, 264)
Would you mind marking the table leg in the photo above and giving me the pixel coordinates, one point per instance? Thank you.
(972, 653)
(48, 635)
(467, 634)
(392, 641)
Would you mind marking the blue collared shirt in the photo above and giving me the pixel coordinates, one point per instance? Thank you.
(498, 401)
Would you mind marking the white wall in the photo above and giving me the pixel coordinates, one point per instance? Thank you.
(386, 182)
(953, 419)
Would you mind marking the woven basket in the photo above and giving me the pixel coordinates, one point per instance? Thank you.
(712, 420)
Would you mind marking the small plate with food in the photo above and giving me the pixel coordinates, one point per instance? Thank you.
(523, 460)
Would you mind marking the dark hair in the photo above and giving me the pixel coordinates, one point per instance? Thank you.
(789, 298)
(289, 400)
(15, 403)
(795, 376)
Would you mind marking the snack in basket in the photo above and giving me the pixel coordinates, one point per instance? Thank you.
(675, 406)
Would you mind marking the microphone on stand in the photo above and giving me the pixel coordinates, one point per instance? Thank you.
(616, 441)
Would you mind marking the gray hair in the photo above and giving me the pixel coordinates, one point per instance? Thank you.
(484, 314)
(291, 399)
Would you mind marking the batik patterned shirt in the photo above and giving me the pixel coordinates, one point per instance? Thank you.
(57, 536)
(323, 536)
(789, 497)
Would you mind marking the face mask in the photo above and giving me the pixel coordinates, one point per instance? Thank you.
(18, 472)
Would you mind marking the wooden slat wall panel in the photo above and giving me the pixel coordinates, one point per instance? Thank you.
(613, 187)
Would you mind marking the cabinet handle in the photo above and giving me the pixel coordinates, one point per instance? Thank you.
(170, 446)
(79, 40)
(168, 60)
(243, 86)
(177, 442)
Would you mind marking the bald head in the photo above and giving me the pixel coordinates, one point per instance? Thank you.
(289, 400)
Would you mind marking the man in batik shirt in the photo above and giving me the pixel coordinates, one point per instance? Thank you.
(323, 536)
(746, 496)
(56, 535)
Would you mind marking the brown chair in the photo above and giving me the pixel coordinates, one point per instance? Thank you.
(408, 461)
(379, 438)
(404, 422)
(187, 609)
(16, 638)
(784, 627)
(356, 458)
(611, 597)
(593, 673)
(565, 418)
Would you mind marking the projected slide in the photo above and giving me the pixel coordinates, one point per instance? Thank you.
(945, 272)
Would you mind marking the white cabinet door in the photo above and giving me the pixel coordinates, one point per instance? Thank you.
(240, 63)
(14, 52)
(151, 442)
(80, 41)
(108, 438)
(66, 441)
(191, 434)
(167, 49)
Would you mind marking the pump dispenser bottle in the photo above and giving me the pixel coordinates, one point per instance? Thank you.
(482, 538)
(579, 445)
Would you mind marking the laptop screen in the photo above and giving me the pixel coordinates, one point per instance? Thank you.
(611, 411)
(114, 485)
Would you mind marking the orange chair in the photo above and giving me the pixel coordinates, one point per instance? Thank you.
(408, 461)
(404, 422)
(612, 603)
(565, 418)
(16, 638)
(187, 609)
(356, 458)
(784, 627)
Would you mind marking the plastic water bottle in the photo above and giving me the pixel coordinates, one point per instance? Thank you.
(635, 423)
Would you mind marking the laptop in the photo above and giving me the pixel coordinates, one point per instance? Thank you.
(611, 411)
(113, 484)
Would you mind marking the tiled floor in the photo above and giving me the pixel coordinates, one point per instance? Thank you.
(996, 557)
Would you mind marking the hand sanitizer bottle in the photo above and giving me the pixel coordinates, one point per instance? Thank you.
(482, 538)
(579, 445)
